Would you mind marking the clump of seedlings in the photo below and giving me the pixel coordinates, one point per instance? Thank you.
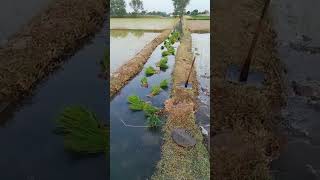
(165, 53)
(150, 111)
(82, 131)
(163, 63)
(155, 90)
(144, 82)
(164, 84)
(150, 71)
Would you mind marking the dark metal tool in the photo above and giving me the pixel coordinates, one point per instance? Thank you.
(246, 65)
(186, 84)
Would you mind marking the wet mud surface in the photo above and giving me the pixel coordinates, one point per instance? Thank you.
(297, 27)
(31, 149)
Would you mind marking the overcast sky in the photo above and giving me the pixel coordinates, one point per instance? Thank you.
(167, 5)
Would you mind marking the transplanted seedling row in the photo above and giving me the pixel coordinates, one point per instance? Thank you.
(137, 104)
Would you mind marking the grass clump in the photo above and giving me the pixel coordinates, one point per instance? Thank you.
(155, 90)
(136, 104)
(144, 82)
(82, 131)
(165, 53)
(154, 121)
(163, 63)
(164, 84)
(150, 71)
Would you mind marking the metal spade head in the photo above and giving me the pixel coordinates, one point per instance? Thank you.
(255, 78)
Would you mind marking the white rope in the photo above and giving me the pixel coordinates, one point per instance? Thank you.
(133, 126)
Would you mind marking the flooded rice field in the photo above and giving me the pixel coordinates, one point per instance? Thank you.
(122, 48)
(142, 23)
(15, 13)
(31, 149)
(135, 148)
(201, 49)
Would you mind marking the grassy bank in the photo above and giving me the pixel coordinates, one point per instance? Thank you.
(178, 162)
(245, 117)
(39, 48)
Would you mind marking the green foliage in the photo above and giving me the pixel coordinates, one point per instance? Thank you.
(117, 8)
(180, 7)
(136, 104)
(144, 82)
(150, 71)
(82, 132)
(155, 90)
(164, 84)
(149, 109)
(136, 5)
(165, 53)
(153, 121)
(163, 63)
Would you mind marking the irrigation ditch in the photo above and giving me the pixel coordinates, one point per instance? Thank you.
(140, 116)
(46, 88)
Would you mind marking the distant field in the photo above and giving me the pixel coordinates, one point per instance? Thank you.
(199, 25)
(142, 23)
(198, 18)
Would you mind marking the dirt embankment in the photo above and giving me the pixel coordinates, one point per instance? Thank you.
(42, 44)
(178, 162)
(127, 71)
(244, 135)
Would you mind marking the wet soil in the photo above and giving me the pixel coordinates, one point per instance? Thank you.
(31, 149)
(244, 114)
(136, 150)
(297, 28)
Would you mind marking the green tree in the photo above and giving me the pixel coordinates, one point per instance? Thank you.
(195, 12)
(136, 5)
(117, 8)
(180, 7)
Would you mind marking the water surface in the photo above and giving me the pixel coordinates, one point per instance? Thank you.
(125, 44)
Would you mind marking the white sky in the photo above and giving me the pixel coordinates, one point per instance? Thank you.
(167, 5)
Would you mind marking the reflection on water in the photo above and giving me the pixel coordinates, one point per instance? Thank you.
(125, 44)
(201, 49)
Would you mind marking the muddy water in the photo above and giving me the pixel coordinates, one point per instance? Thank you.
(122, 48)
(29, 147)
(15, 13)
(201, 48)
(142, 23)
(297, 25)
(136, 150)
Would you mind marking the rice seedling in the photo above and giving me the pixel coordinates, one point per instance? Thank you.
(165, 53)
(144, 82)
(163, 63)
(164, 84)
(150, 71)
(155, 90)
(154, 121)
(82, 131)
(136, 104)
(149, 109)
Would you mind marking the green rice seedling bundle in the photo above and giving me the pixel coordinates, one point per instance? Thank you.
(144, 82)
(164, 84)
(150, 71)
(155, 90)
(82, 131)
